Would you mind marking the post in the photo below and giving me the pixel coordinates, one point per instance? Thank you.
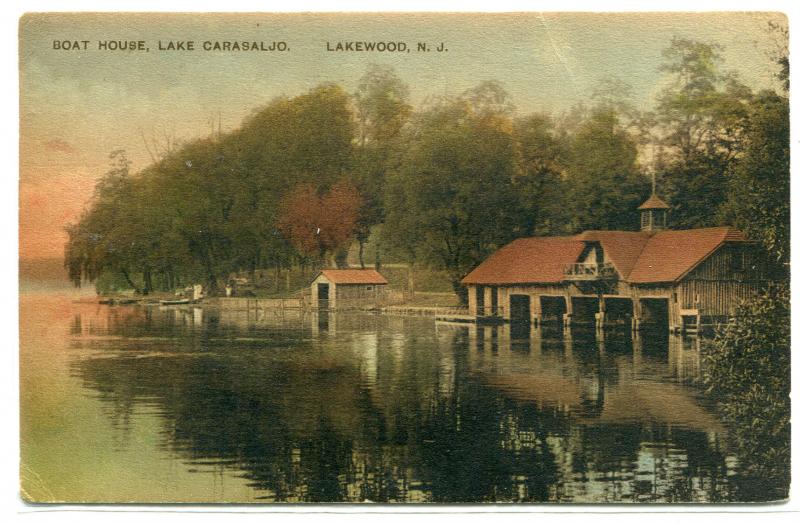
(637, 352)
(487, 301)
(567, 342)
(536, 344)
(568, 314)
(636, 321)
(674, 318)
(472, 300)
(600, 316)
(536, 311)
(472, 334)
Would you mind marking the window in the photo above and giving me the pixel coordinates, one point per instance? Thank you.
(737, 261)
(646, 219)
(369, 288)
(659, 218)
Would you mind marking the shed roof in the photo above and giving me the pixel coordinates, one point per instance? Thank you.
(639, 256)
(354, 276)
(527, 260)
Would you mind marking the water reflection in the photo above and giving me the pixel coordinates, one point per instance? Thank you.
(351, 407)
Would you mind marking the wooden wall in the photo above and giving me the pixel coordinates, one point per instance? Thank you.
(713, 298)
(722, 265)
(360, 295)
(716, 286)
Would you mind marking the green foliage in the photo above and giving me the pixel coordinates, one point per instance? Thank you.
(443, 185)
(603, 180)
(382, 107)
(210, 207)
(758, 189)
(108, 236)
(109, 282)
(748, 370)
(541, 155)
(449, 199)
(700, 117)
(381, 111)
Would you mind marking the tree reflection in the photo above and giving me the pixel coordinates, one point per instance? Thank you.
(388, 409)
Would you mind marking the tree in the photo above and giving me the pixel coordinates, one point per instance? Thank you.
(103, 238)
(450, 200)
(540, 158)
(748, 370)
(381, 110)
(382, 107)
(210, 207)
(603, 181)
(701, 115)
(319, 225)
(614, 95)
(307, 139)
(489, 101)
(780, 52)
(758, 189)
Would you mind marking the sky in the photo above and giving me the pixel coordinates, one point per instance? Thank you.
(76, 106)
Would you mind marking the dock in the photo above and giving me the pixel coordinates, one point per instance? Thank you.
(454, 314)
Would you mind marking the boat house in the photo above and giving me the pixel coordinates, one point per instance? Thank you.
(345, 288)
(678, 278)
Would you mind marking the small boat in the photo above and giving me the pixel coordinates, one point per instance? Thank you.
(175, 302)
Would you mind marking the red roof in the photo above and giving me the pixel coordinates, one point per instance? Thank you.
(354, 276)
(527, 260)
(639, 256)
(622, 248)
(669, 255)
(654, 203)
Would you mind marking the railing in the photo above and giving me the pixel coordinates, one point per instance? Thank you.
(240, 303)
(590, 271)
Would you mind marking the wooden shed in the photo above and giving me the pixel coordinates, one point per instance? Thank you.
(348, 288)
(681, 278)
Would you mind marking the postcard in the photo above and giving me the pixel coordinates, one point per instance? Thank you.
(404, 258)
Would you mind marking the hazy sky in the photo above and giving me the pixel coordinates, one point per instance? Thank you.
(77, 106)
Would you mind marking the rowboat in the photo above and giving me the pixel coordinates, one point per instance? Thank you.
(175, 302)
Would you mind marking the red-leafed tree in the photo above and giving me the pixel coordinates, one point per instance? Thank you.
(299, 218)
(319, 225)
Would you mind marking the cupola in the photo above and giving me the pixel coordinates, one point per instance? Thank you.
(654, 214)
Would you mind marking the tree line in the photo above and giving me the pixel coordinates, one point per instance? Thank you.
(441, 185)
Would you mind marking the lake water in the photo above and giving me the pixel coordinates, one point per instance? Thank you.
(165, 404)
